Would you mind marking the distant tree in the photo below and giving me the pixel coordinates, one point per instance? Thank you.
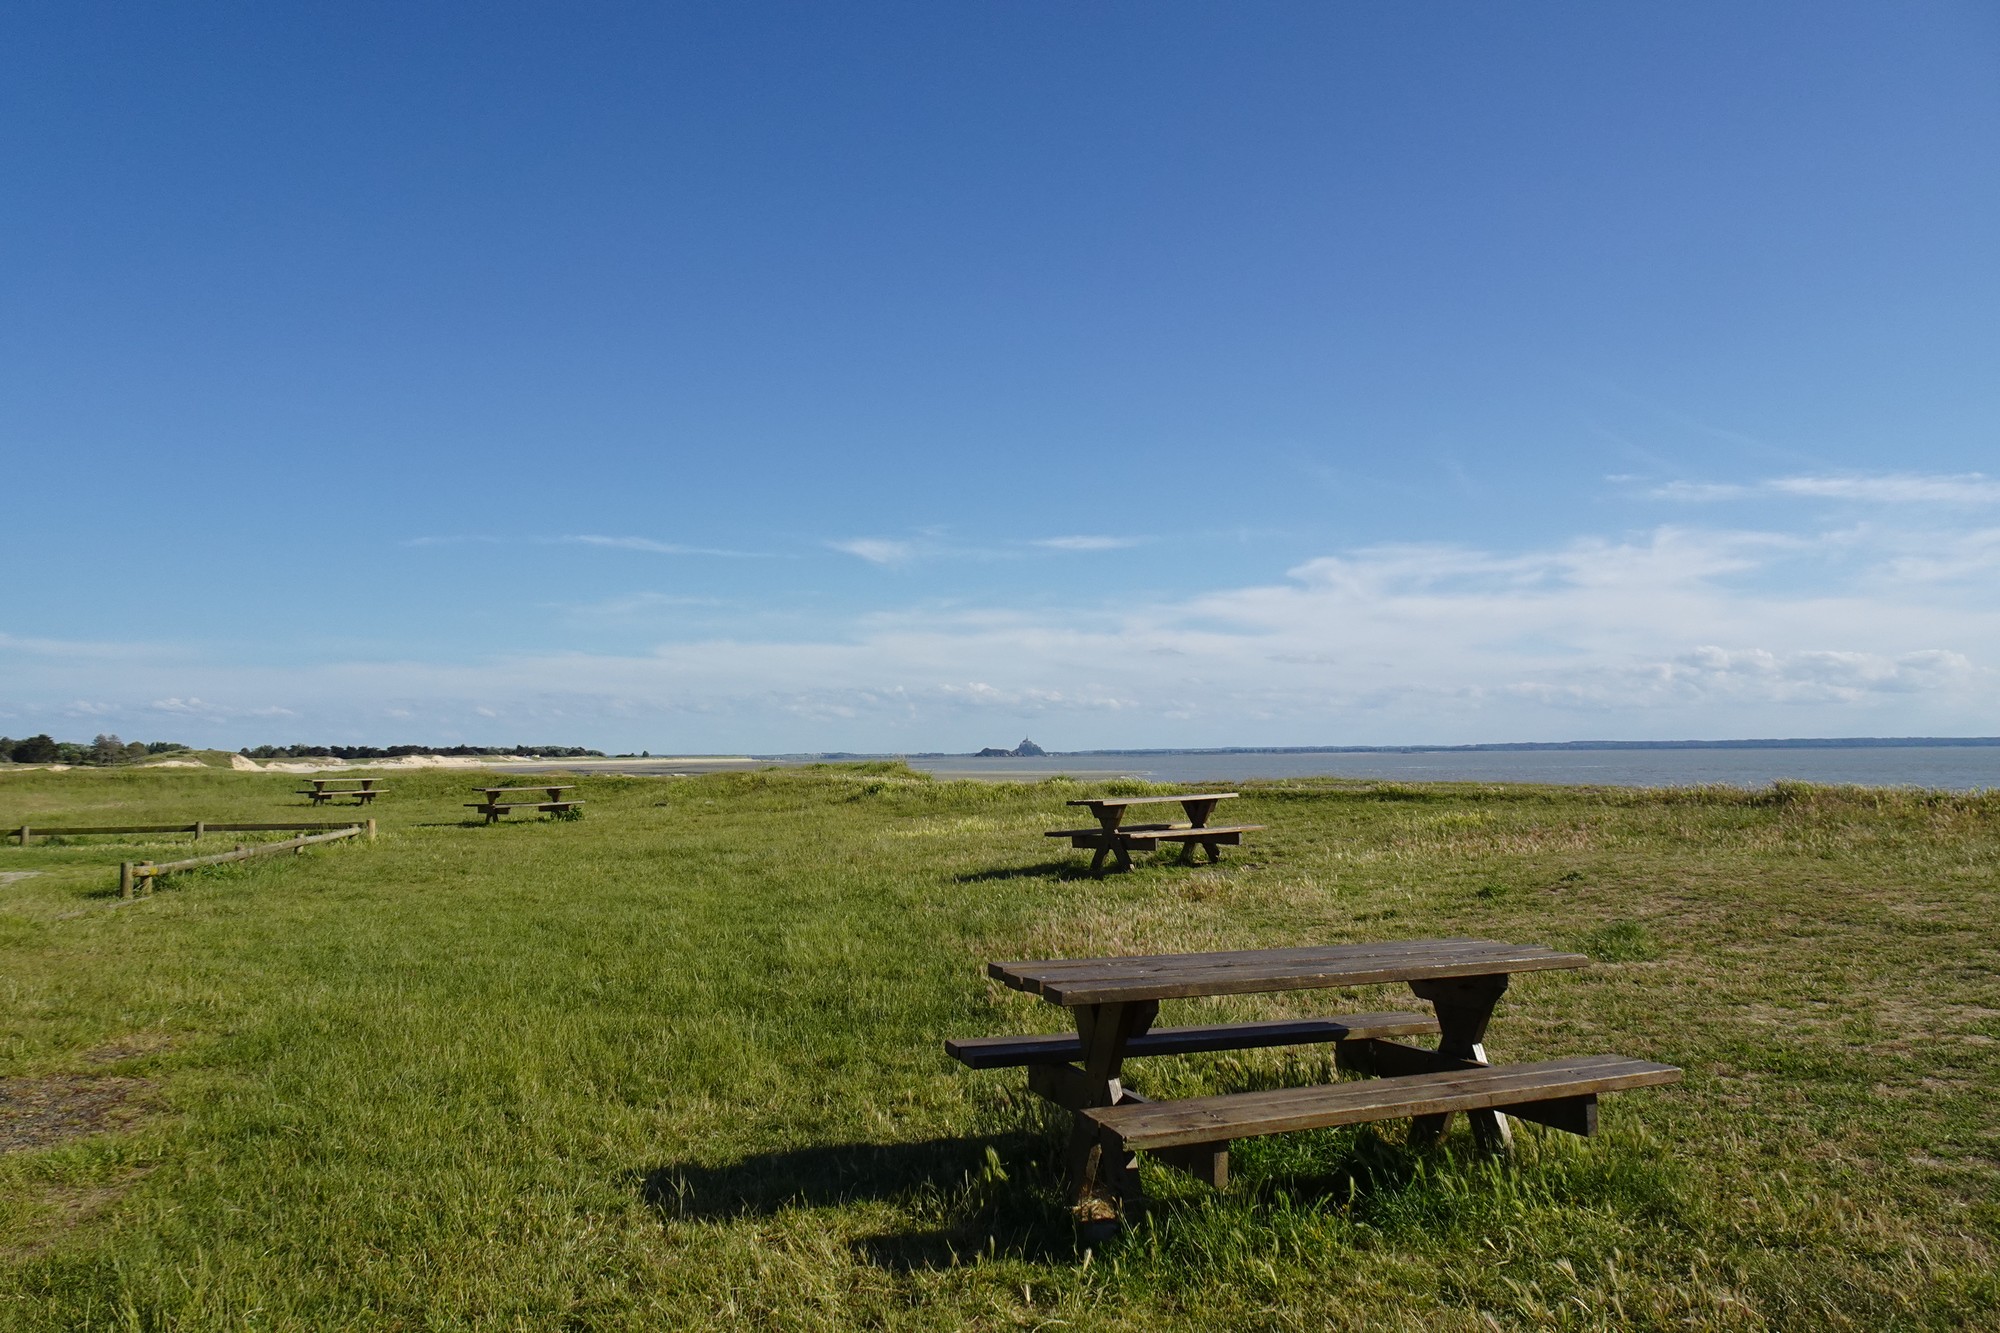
(6, 749)
(163, 747)
(106, 750)
(40, 749)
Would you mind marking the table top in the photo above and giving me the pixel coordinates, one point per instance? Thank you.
(547, 786)
(321, 782)
(1105, 802)
(1076, 981)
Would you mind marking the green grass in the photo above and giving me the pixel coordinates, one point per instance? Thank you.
(676, 1064)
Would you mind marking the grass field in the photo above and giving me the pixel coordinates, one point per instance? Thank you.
(676, 1064)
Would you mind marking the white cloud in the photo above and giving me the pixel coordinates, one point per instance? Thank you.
(876, 550)
(1896, 488)
(1082, 543)
(1682, 631)
(652, 546)
(83, 648)
(1887, 488)
(1701, 491)
(637, 603)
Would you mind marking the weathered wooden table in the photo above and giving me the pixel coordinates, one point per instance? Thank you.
(1114, 1001)
(555, 803)
(324, 790)
(1113, 837)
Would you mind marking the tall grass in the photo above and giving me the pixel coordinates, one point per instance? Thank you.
(677, 1064)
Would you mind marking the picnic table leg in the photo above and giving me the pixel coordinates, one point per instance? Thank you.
(1104, 1029)
(1198, 812)
(1464, 1006)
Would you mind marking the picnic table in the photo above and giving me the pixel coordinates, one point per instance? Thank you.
(323, 790)
(1113, 1002)
(554, 802)
(1114, 838)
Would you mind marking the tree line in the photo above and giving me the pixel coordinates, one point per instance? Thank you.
(103, 752)
(107, 750)
(398, 751)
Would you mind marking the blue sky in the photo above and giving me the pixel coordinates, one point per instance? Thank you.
(794, 377)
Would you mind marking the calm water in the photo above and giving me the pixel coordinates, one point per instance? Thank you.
(1965, 768)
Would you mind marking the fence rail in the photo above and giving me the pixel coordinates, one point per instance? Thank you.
(131, 874)
(199, 827)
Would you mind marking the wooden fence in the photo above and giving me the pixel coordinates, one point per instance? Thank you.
(131, 874)
(198, 828)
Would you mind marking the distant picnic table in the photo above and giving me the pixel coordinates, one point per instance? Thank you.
(324, 790)
(1113, 838)
(553, 801)
(1113, 1002)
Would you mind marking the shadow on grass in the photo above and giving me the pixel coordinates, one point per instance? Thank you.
(825, 1176)
(1045, 870)
(1009, 1211)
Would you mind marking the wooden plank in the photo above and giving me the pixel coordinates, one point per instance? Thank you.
(1370, 948)
(1104, 833)
(149, 871)
(204, 825)
(1098, 980)
(1240, 981)
(1228, 835)
(1058, 1048)
(1119, 802)
(1282, 1110)
(1206, 1162)
(1134, 968)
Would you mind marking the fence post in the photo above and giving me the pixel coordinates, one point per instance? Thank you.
(200, 827)
(371, 830)
(124, 879)
(24, 835)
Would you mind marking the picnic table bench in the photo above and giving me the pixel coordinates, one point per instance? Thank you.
(1113, 1002)
(555, 803)
(1114, 838)
(324, 790)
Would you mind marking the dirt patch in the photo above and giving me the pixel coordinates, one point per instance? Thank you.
(129, 1047)
(10, 876)
(56, 1210)
(42, 1112)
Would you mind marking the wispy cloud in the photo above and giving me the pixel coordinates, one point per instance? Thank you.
(198, 708)
(1885, 488)
(456, 540)
(653, 547)
(1084, 543)
(876, 550)
(1896, 488)
(84, 648)
(1682, 631)
(637, 603)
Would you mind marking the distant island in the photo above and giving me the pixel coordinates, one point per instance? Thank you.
(1027, 749)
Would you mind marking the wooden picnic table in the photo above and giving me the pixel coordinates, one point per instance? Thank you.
(1113, 1002)
(555, 803)
(324, 790)
(1114, 838)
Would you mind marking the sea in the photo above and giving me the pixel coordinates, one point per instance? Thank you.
(1939, 767)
